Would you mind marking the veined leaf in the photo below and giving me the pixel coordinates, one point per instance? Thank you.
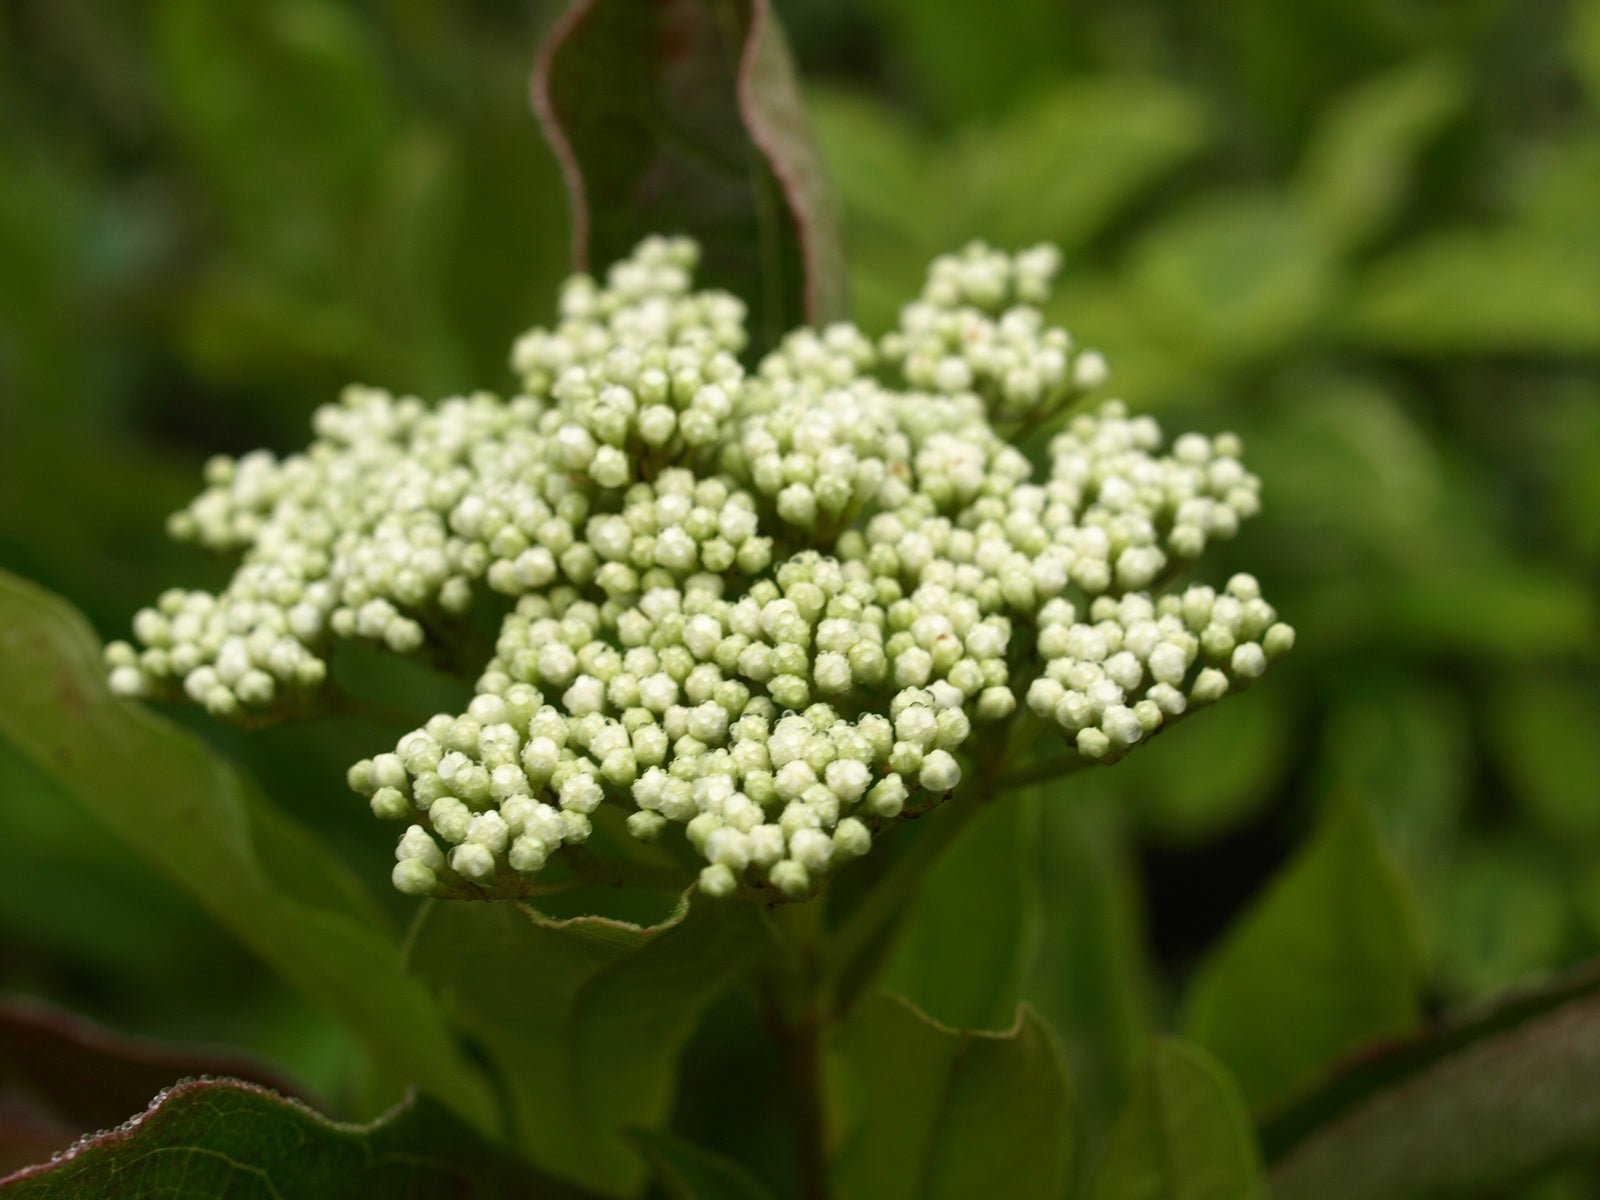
(1324, 962)
(684, 116)
(252, 868)
(949, 1114)
(584, 1017)
(1184, 1136)
(205, 1139)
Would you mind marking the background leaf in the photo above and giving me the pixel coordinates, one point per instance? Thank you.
(685, 117)
(583, 1018)
(1184, 1136)
(1323, 962)
(1232, 277)
(1468, 292)
(1543, 732)
(251, 867)
(206, 1139)
(1474, 1104)
(945, 1113)
(1360, 163)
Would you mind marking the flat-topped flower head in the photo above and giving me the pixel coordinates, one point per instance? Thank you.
(761, 615)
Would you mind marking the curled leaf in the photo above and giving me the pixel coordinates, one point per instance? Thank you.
(685, 116)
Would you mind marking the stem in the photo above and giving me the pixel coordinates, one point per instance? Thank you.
(795, 1018)
(802, 1052)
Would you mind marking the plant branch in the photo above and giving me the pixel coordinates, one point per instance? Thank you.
(795, 1018)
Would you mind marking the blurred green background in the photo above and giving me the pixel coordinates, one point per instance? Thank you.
(1365, 234)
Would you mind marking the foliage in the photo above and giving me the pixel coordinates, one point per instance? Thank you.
(1359, 236)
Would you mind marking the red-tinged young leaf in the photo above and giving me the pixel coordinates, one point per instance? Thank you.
(62, 1077)
(585, 1017)
(206, 1139)
(1473, 1104)
(685, 117)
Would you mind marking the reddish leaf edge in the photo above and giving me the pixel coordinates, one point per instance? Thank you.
(544, 111)
(1349, 1085)
(185, 1087)
(763, 25)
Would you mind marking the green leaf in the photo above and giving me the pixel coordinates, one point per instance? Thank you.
(1468, 292)
(584, 1017)
(1474, 1104)
(1502, 905)
(1092, 982)
(1185, 806)
(1543, 731)
(1233, 278)
(685, 117)
(1584, 42)
(1065, 166)
(689, 1172)
(253, 869)
(948, 1114)
(973, 934)
(1026, 44)
(1359, 164)
(1498, 606)
(1184, 1136)
(62, 1077)
(209, 1138)
(1405, 746)
(1324, 962)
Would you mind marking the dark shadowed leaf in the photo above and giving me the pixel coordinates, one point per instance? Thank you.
(1543, 732)
(258, 873)
(1473, 1105)
(585, 1017)
(689, 1172)
(1325, 961)
(62, 1077)
(948, 1114)
(685, 116)
(206, 1139)
(1184, 1135)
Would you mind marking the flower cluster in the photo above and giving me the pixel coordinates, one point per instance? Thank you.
(771, 610)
